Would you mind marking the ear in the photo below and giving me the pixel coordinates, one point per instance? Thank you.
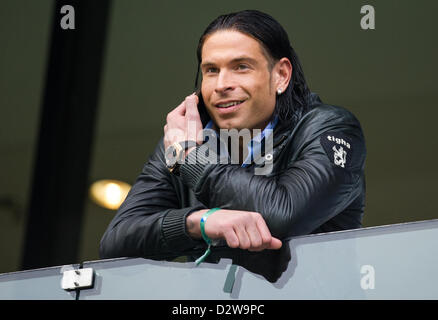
(282, 74)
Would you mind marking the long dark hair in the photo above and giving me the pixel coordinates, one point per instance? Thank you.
(294, 101)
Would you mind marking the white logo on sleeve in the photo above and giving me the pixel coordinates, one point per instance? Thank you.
(338, 141)
(340, 156)
(339, 149)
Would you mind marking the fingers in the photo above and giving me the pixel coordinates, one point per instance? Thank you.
(241, 229)
(191, 103)
(265, 234)
(242, 235)
(248, 231)
(191, 108)
(255, 238)
(181, 109)
(193, 119)
(184, 122)
(231, 238)
(260, 236)
(250, 238)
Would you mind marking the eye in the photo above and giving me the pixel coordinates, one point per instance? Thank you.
(242, 67)
(211, 70)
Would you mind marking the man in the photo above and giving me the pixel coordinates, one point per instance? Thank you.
(251, 80)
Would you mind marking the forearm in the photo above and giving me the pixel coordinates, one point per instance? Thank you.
(139, 234)
(151, 220)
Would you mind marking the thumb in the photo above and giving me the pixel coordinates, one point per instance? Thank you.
(275, 244)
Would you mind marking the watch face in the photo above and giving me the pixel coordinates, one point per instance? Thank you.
(171, 156)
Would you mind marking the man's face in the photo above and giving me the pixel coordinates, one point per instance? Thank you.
(237, 86)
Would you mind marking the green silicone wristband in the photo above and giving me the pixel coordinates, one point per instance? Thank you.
(203, 221)
(204, 235)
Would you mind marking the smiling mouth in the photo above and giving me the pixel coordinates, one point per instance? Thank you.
(229, 104)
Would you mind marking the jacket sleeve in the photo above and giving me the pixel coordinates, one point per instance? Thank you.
(311, 189)
(151, 220)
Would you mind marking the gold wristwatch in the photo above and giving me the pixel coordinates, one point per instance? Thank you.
(174, 154)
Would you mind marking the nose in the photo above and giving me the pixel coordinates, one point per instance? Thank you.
(224, 82)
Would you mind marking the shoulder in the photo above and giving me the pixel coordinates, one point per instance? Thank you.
(326, 115)
(340, 135)
(324, 118)
(330, 130)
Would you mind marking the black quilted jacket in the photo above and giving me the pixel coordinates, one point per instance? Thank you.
(317, 184)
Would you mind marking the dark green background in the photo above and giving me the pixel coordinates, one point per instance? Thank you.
(386, 77)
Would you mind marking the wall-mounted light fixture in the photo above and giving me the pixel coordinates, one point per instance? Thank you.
(109, 194)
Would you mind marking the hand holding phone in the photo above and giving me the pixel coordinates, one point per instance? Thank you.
(184, 122)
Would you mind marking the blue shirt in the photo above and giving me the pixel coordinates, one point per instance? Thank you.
(255, 145)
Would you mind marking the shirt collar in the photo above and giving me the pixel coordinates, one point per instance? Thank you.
(256, 142)
(271, 125)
